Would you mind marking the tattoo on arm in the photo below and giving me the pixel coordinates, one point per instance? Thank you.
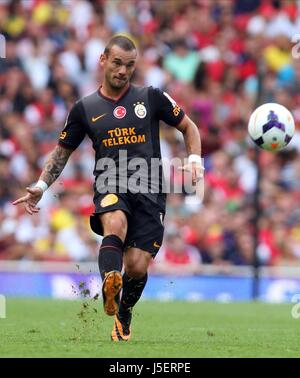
(55, 164)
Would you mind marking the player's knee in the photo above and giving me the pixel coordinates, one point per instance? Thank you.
(115, 223)
(118, 224)
(136, 269)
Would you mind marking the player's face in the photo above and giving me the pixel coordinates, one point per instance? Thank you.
(118, 66)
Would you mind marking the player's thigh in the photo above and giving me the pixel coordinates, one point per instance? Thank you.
(145, 227)
(110, 216)
(136, 262)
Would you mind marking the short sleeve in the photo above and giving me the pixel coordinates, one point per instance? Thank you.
(166, 108)
(74, 130)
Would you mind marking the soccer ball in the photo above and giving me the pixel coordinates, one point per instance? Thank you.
(271, 127)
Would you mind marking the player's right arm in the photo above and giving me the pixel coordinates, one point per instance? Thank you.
(53, 168)
(70, 138)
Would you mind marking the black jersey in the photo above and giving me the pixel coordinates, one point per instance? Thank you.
(122, 131)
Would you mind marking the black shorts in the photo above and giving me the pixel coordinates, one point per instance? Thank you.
(145, 218)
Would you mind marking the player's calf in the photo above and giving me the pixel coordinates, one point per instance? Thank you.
(132, 291)
(110, 266)
(110, 255)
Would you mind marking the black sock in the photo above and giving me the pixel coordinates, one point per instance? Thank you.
(110, 255)
(132, 291)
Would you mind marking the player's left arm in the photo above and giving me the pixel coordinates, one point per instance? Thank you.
(192, 141)
(168, 111)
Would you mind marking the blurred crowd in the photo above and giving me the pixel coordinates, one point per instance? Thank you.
(213, 57)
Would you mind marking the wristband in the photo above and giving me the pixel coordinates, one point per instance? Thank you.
(193, 158)
(42, 185)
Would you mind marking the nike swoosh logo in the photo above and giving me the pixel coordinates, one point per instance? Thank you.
(156, 245)
(94, 119)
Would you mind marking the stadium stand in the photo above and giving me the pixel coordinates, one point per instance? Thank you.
(204, 53)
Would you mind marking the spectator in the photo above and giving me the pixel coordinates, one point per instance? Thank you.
(182, 62)
(176, 257)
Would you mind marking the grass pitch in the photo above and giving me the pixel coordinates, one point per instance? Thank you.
(55, 328)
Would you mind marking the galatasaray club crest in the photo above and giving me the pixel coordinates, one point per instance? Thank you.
(140, 110)
(120, 112)
(109, 199)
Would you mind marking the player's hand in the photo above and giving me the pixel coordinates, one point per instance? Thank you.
(31, 199)
(196, 169)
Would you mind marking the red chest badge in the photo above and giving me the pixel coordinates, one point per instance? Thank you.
(120, 112)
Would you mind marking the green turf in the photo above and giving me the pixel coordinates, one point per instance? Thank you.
(48, 328)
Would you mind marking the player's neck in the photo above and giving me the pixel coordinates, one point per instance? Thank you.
(112, 93)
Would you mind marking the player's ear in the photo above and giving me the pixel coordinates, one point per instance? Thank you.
(102, 59)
